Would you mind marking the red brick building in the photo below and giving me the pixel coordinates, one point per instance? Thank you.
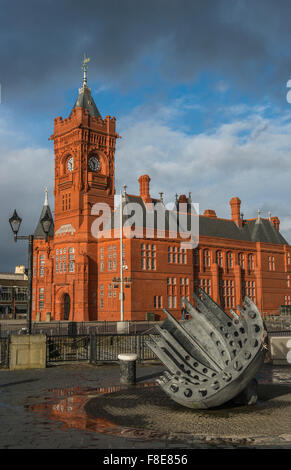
(76, 275)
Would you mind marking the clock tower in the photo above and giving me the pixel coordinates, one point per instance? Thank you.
(66, 271)
(84, 145)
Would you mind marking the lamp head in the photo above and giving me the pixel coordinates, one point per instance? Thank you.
(15, 222)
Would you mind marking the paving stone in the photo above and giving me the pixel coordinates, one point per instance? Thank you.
(267, 425)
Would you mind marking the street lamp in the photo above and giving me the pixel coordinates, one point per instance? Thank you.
(15, 222)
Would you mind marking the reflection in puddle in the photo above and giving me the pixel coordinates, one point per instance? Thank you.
(70, 411)
(67, 405)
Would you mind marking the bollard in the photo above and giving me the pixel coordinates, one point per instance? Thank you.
(127, 368)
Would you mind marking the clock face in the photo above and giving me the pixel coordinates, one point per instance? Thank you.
(70, 164)
(94, 163)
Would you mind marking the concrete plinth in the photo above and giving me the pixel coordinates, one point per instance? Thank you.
(127, 368)
(280, 349)
(27, 352)
(48, 317)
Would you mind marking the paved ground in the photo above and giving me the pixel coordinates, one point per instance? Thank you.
(81, 406)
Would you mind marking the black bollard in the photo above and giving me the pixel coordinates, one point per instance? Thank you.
(127, 368)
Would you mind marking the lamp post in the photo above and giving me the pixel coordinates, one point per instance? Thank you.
(15, 222)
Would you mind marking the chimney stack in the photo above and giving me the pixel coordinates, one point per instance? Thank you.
(144, 188)
(235, 203)
(276, 222)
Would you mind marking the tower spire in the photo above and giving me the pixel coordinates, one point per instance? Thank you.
(85, 61)
(85, 99)
(46, 197)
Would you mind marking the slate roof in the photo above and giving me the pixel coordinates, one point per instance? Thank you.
(257, 230)
(86, 101)
(39, 232)
(261, 230)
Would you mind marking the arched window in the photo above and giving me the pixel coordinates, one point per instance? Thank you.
(206, 258)
(251, 262)
(241, 260)
(219, 258)
(229, 259)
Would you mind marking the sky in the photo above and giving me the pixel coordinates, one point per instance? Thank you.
(198, 88)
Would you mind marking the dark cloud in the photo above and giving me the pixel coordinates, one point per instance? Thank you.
(41, 43)
(131, 42)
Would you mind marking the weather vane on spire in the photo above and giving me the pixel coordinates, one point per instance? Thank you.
(85, 61)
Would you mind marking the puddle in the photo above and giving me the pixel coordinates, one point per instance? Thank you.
(129, 410)
(67, 406)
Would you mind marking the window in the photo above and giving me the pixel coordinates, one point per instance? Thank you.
(21, 294)
(229, 260)
(66, 201)
(71, 260)
(110, 290)
(114, 258)
(172, 292)
(41, 265)
(41, 298)
(206, 258)
(287, 300)
(241, 260)
(101, 296)
(6, 293)
(227, 293)
(288, 258)
(204, 284)
(249, 289)
(271, 263)
(219, 258)
(174, 254)
(177, 255)
(170, 254)
(184, 256)
(143, 263)
(148, 257)
(158, 302)
(184, 287)
(251, 262)
(34, 265)
(110, 258)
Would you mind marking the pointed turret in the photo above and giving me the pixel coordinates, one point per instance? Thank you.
(85, 99)
(39, 232)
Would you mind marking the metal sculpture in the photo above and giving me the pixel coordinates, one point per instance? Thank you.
(213, 357)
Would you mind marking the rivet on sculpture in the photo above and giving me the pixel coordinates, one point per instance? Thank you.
(212, 358)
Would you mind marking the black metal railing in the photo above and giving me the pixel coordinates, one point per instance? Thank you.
(96, 348)
(4, 353)
(67, 348)
(63, 328)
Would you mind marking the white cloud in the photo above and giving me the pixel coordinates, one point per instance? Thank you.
(249, 157)
(24, 173)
